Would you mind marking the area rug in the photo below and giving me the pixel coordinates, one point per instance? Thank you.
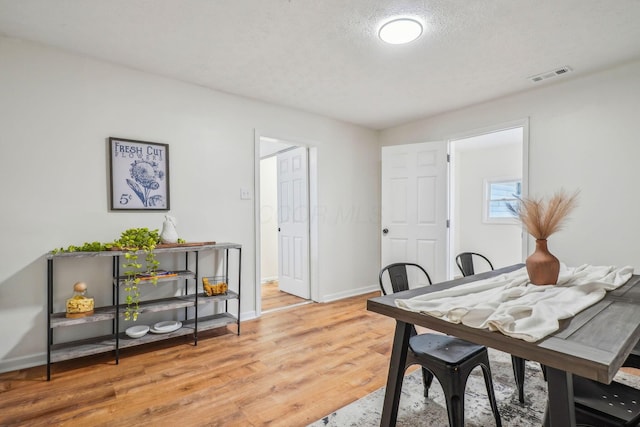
(417, 411)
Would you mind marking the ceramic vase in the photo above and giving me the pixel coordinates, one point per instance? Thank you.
(169, 233)
(542, 266)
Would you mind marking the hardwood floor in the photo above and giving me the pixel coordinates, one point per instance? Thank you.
(288, 368)
(273, 298)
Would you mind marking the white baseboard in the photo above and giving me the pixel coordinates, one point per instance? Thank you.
(248, 315)
(349, 293)
(8, 365)
(268, 279)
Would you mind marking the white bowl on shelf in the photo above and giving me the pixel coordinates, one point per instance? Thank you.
(137, 331)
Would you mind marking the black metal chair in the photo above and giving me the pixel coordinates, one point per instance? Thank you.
(449, 359)
(465, 262)
(609, 405)
(604, 405)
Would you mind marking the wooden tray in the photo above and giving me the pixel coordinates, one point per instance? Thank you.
(169, 245)
(78, 315)
(182, 245)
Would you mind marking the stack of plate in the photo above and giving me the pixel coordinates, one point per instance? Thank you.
(166, 327)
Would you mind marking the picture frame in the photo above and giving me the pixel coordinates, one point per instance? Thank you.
(138, 175)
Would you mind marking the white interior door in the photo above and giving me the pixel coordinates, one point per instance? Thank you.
(414, 206)
(293, 222)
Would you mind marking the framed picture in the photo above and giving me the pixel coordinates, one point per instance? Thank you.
(139, 175)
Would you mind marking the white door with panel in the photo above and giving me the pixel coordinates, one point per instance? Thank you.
(293, 222)
(415, 206)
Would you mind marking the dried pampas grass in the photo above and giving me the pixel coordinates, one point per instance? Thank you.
(542, 218)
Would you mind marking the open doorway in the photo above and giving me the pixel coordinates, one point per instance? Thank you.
(488, 171)
(284, 279)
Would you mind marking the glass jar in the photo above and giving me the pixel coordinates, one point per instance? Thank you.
(80, 304)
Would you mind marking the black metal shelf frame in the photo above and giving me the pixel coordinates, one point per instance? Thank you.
(69, 350)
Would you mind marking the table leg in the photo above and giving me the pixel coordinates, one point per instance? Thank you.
(560, 407)
(396, 374)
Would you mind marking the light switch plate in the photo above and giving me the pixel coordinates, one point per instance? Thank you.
(245, 194)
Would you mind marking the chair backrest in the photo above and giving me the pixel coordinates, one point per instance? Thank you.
(399, 278)
(465, 262)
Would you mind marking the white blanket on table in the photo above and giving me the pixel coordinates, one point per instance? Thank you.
(509, 303)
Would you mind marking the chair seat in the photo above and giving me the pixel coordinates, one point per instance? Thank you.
(603, 405)
(445, 348)
(451, 360)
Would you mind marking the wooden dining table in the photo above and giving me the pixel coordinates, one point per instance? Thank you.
(592, 344)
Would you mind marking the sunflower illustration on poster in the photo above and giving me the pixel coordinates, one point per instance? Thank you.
(139, 175)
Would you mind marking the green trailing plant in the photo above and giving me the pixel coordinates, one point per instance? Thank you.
(132, 242)
(85, 247)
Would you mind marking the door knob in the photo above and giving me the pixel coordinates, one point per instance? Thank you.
(385, 231)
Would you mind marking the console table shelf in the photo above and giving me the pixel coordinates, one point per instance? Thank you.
(212, 322)
(99, 314)
(177, 275)
(192, 296)
(125, 341)
(80, 348)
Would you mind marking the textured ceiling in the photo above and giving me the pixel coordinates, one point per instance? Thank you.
(323, 56)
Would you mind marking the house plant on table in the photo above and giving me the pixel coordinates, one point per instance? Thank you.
(131, 242)
(542, 218)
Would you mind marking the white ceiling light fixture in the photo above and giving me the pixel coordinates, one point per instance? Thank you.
(400, 31)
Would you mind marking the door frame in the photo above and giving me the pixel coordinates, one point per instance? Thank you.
(521, 123)
(312, 152)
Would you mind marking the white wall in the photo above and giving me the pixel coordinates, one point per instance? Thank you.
(583, 134)
(269, 219)
(56, 112)
(501, 243)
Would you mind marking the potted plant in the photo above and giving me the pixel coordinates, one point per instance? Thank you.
(542, 218)
(132, 242)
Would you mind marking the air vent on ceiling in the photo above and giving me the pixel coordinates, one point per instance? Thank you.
(550, 74)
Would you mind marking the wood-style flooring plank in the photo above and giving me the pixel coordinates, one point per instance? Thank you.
(273, 298)
(288, 368)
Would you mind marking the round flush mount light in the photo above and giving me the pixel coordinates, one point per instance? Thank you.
(400, 31)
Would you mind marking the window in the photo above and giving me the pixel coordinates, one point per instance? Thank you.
(499, 193)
